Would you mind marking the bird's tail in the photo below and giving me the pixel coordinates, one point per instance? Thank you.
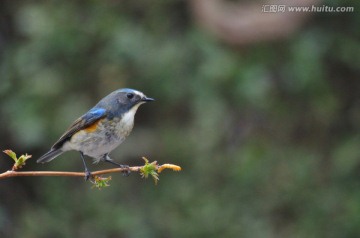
(52, 154)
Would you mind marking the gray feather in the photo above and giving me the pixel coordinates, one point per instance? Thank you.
(52, 154)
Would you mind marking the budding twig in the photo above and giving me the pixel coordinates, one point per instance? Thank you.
(11, 173)
(153, 169)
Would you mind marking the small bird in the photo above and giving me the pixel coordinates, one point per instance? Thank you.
(101, 129)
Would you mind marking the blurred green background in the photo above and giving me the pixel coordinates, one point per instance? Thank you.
(266, 130)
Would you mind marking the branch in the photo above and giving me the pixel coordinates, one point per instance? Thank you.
(12, 173)
(153, 169)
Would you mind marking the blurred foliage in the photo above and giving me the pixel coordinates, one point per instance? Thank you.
(267, 135)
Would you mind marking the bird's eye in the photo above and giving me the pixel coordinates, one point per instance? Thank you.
(130, 95)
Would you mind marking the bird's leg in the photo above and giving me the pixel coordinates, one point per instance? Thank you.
(125, 173)
(87, 171)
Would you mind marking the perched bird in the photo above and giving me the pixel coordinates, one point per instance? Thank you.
(101, 129)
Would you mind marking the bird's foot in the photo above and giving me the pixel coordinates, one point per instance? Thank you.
(88, 175)
(126, 171)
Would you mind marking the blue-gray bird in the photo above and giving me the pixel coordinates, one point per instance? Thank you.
(101, 129)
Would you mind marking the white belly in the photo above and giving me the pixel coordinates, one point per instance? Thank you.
(107, 136)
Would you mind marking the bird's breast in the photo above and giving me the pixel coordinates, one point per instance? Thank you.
(108, 135)
(104, 137)
(116, 129)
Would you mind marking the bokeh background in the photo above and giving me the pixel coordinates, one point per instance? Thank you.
(261, 110)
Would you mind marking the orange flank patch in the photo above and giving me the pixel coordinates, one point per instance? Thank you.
(92, 127)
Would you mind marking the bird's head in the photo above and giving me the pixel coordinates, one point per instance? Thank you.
(123, 100)
(131, 97)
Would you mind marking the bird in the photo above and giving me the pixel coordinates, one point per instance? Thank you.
(100, 130)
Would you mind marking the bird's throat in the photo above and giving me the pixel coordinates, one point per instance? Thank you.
(127, 119)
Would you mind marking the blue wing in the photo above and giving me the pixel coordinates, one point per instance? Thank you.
(86, 120)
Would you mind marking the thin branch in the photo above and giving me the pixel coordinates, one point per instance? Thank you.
(11, 173)
(153, 169)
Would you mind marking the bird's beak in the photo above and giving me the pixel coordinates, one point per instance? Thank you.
(146, 99)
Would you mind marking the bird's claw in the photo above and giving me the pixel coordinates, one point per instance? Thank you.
(88, 175)
(126, 171)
